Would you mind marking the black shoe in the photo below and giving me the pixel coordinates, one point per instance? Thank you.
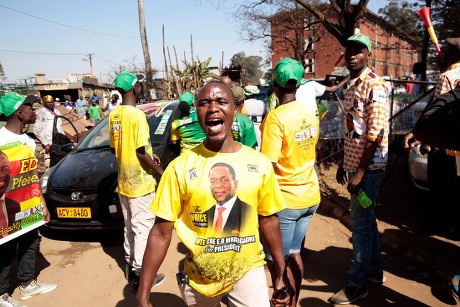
(159, 279)
(376, 278)
(348, 295)
(129, 273)
(135, 283)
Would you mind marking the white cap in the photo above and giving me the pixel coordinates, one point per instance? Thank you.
(57, 99)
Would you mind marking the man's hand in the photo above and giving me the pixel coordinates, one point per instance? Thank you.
(156, 159)
(410, 141)
(47, 148)
(341, 175)
(281, 298)
(46, 213)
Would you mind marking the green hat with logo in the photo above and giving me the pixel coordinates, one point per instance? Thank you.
(11, 102)
(361, 39)
(288, 69)
(187, 97)
(125, 80)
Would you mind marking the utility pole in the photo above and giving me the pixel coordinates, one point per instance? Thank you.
(90, 59)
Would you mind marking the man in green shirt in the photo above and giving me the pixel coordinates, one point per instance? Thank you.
(95, 112)
(186, 129)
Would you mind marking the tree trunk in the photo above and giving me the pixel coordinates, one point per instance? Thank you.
(145, 48)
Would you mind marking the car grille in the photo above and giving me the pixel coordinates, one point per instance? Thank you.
(69, 195)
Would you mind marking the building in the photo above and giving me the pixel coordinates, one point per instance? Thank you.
(393, 53)
(74, 86)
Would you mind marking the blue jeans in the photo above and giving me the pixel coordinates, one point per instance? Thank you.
(26, 247)
(294, 225)
(365, 236)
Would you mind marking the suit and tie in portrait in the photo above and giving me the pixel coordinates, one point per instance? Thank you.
(233, 210)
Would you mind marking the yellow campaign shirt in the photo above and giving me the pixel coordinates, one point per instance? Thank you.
(128, 131)
(215, 262)
(289, 137)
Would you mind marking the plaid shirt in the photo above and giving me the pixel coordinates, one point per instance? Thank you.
(448, 80)
(366, 110)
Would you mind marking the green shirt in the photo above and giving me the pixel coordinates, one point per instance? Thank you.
(188, 131)
(95, 112)
(243, 131)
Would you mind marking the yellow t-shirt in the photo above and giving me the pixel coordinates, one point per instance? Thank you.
(216, 262)
(128, 131)
(289, 137)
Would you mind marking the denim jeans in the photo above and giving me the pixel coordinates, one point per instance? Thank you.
(26, 246)
(294, 225)
(365, 236)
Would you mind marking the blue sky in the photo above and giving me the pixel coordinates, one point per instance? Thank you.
(53, 37)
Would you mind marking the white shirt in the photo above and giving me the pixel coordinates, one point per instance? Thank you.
(43, 127)
(111, 107)
(307, 93)
(6, 136)
(228, 207)
(255, 107)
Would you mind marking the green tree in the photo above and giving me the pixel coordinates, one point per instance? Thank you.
(251, 66)
(403, 15)
(194, 75)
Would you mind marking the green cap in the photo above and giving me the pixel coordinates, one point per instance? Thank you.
(10, 103)
(361, 39)
(187, 97)
(125, 80)
(288, 69)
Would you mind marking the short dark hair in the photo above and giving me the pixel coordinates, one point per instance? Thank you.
(227, 166)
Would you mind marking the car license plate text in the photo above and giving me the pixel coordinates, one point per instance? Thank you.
(74, 213)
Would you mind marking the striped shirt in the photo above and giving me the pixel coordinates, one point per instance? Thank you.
(367, 110)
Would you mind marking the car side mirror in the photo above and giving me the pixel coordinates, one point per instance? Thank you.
(67, 147)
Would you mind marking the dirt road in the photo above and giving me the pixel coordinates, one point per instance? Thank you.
(89, 272)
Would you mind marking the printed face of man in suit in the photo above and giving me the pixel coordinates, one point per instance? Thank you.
(223, 184)
(4, 173)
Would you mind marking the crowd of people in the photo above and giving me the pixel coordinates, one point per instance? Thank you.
(244, 188)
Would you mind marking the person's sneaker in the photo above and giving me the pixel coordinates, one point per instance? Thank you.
(348, 295)
(7, 301)
(159, 279)
(376, 278)
(35, 288)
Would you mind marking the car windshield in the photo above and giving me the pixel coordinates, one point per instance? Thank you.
(159, 117)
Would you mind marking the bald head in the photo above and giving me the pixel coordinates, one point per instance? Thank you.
(226, 80)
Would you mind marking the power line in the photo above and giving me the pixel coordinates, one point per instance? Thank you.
(44, 53)
(64, 25)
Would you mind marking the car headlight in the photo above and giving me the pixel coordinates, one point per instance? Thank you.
(44, 181)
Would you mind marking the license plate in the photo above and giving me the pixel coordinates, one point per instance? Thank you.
(74, 213)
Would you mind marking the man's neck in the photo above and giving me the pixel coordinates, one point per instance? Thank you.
(15, 126)
(357, 73)
(286, 98)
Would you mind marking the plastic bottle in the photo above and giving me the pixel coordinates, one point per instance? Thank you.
(363, 200)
